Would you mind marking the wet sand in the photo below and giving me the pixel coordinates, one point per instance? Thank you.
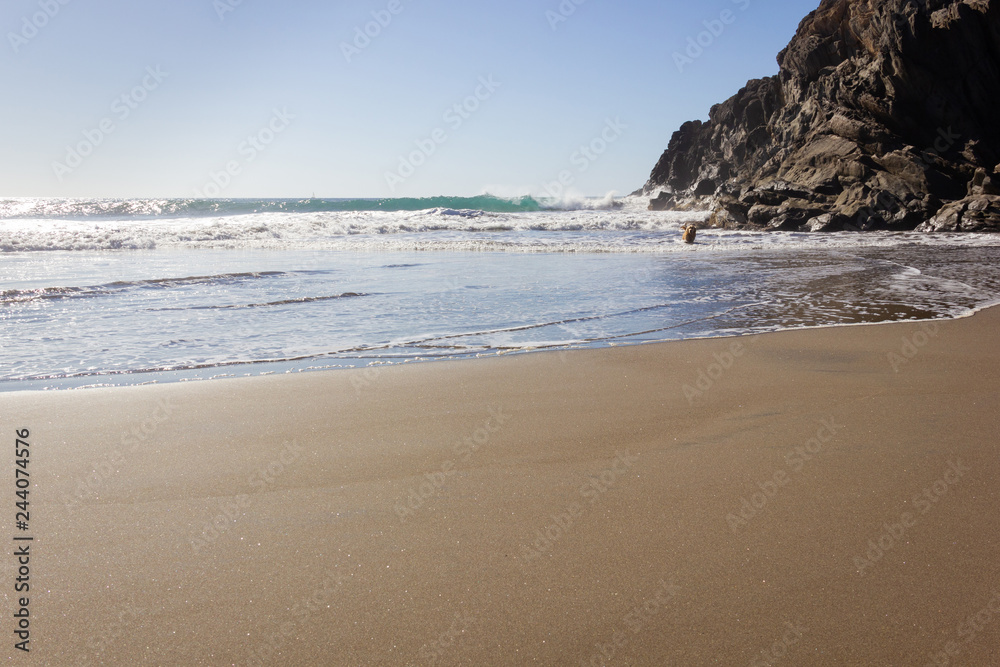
(815, 497)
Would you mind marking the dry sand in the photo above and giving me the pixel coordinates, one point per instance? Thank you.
(309, 519)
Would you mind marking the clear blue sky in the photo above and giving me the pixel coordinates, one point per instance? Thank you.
(220, 77)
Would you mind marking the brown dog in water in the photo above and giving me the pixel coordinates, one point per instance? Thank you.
(689, 233)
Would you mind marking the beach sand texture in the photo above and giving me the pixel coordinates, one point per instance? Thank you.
(732, 501)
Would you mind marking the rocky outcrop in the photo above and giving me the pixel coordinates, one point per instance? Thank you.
(883, 116)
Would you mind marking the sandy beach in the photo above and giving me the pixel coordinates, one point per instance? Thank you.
(813, 497)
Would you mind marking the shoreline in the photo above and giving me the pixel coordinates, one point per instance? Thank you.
(742, 499)
(185, 375)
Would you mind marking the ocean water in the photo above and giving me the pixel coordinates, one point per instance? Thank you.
(113, 292)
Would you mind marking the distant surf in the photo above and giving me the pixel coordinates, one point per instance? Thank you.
(36, 208)
(478, 223)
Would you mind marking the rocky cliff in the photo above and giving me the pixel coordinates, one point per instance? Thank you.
(885, 114)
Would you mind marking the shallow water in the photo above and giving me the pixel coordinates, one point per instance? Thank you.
(94, 318)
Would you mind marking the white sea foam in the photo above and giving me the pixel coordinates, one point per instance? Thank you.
(626, 228)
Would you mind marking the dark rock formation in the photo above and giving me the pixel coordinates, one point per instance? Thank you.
(883, 116)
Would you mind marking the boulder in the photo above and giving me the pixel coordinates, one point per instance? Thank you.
(664, 202)
(975, 213)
